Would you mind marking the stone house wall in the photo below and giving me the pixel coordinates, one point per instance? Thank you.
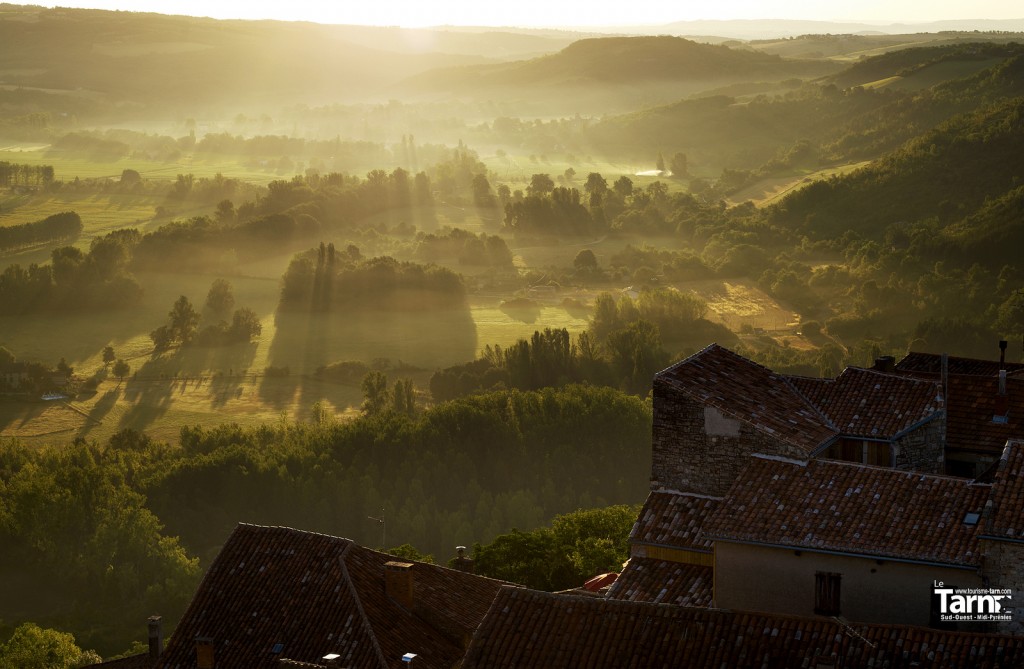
(921, 449)
(1002, 566)
(698, 449)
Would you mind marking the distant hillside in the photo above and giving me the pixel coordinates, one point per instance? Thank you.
(962, 175)
(621, 61)
(838, 125)
(781, 28)
(135, 60)
(934, 64)
(850, 48)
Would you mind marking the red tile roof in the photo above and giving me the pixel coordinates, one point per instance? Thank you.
(673, 519)
(528, 629)
(1004, 516)
(663, 582)
(746, 391)
(972, 403)
(140, 661)
(839, 506)
(866, 403)
(315, 594)
(931, 363)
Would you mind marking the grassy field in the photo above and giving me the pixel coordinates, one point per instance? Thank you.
(767, 191)
(208, 386)
(67, 166)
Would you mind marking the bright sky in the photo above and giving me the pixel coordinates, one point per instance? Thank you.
(551, 13)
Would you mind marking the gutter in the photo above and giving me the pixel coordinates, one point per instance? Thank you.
(862, 556)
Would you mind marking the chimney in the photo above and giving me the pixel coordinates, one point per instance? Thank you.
(398, 582)
(885, 363)
(1002, 354)
(156, 638)
(461, 562)
(204, 653)
(1001, 414)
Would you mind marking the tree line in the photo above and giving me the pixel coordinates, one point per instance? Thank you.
(52, 228)
(16, 174)
(119, 526)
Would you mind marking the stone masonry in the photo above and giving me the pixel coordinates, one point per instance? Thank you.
(699, 450)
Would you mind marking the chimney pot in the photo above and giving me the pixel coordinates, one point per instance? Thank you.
(156, 637)
(1002, 352)
(461, 562)
(885, 363)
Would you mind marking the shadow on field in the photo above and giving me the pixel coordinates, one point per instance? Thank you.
(16, 413)
(152, 388)
(99, 410)
(304, 341)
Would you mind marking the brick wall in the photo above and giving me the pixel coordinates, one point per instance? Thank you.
(698, 449)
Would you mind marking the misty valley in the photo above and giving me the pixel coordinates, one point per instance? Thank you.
(348, 279)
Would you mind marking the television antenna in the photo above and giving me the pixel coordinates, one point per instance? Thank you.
(383, 528)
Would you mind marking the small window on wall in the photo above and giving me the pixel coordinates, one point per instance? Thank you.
(826, 593)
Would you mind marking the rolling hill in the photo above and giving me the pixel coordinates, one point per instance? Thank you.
(621, 61)
(140, 62)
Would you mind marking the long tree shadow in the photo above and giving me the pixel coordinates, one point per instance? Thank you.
(17, 413)
(100, 410)
(149, 392)
(304, 341)
(230, 365)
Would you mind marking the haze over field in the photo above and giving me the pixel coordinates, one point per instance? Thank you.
(304, 263)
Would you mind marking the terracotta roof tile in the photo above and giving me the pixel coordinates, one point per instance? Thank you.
(673, 519)
(866, 403)
(973, 401)
(140, 661)
(931, 363)
(525, 628)
(1004, 517)
(663, 582)
(840, 506)
(745, 390)
(315, 594)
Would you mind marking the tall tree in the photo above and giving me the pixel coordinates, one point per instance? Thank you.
(220, 299)
(184, 320)
(540, 184)
(33, 647)
(121, 369)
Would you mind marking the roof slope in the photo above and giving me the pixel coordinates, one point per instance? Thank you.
(673, 519)
(525, 628)
(663, 582)
(140, 661)
(866, 403)
(931, 363)
(1004, 516)
(972, 403)
(310, 594)
(848, 507)
(745, 390)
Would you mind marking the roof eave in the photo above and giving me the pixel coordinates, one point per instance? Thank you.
(864, 556)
